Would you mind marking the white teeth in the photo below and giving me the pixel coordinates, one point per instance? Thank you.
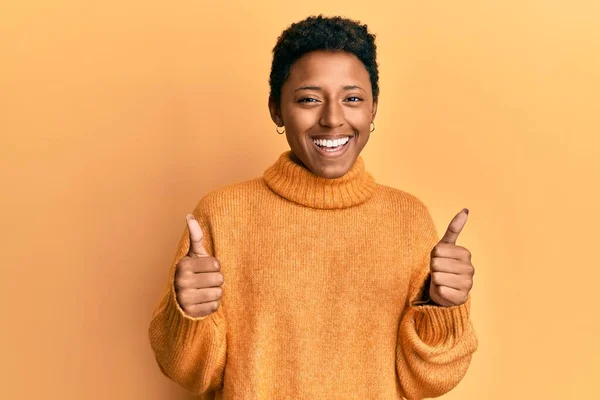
(331, 143)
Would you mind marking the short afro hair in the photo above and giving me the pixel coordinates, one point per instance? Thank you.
(322, 33)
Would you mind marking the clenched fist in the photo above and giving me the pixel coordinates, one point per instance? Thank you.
(451, 268)
(198, 278)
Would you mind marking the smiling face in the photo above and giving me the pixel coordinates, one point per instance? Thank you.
(326, 107)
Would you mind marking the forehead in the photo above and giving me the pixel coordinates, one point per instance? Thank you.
(326, 68)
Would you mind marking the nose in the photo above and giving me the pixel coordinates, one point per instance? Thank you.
(332, 115)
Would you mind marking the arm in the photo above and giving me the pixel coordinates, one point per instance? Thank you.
(435, 344)
(191, 351)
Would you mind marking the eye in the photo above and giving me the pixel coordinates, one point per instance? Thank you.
(307, 100)
(356, 99)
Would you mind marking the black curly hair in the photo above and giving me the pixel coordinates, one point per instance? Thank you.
(322, 33)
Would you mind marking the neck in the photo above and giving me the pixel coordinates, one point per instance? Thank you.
(290, 179)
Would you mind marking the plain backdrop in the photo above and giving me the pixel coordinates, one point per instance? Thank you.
(116, 117)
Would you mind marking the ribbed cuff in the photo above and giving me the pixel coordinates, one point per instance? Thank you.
(190, 351)
(437, 325)
(182, 327)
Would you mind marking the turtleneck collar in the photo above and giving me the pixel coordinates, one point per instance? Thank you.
(297, 183)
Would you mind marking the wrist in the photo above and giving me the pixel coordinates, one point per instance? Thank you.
(424, 299)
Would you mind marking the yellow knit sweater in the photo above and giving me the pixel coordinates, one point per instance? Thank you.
(321, 277)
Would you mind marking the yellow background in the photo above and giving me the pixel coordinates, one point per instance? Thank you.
(117, 116)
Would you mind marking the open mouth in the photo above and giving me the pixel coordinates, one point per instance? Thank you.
(331, 147)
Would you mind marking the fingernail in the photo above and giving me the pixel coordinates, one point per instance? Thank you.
(190, 216)
(466, 210)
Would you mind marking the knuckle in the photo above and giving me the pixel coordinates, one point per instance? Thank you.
(444, 291)
(184, 263)
(180, 282)
(177, 282)
(182, 276)
(469, 283)
(216, 279)
(185, 296)
(441, 291)
(467, 252)
(189, 310)
(207, 264)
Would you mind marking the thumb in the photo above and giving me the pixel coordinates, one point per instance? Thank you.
(196, 237)
(455, 227)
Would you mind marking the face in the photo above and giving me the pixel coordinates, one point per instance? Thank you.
(326, 107)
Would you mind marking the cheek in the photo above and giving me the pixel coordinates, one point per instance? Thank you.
(360, 119)
(299, 120)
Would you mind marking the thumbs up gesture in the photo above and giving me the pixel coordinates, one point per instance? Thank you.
(451, 268)
(198, 278)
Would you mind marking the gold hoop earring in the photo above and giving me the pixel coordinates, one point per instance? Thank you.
(373, 122)
(277, 130)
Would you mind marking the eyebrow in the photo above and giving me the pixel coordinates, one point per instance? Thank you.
(347, 87)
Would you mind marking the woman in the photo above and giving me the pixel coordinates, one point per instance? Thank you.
(313, 281)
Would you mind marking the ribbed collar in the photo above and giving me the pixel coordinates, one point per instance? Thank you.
(297, 183)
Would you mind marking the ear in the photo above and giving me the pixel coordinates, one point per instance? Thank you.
(275, 112)
(374, 109)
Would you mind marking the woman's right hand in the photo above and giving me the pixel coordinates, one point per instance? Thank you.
(198, 278)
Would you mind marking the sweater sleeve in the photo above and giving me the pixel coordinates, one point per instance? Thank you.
(191, 351)
(435, 344)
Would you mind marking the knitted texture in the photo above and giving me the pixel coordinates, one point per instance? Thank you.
(321, 280)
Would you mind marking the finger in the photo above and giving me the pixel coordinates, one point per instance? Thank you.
(458, 282)
(455, 227)
(203, 309)
(212, 279)
(198, 296)
(207, 280)
(196, 237)
(448, 250)
(450, 295)
(451, 266)
(199, 264)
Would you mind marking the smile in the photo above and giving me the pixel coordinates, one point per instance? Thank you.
(329, 147)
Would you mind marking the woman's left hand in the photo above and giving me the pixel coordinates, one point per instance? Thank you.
(451, 268)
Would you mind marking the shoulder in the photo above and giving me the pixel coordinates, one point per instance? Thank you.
(402, 201)
(415, 214)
